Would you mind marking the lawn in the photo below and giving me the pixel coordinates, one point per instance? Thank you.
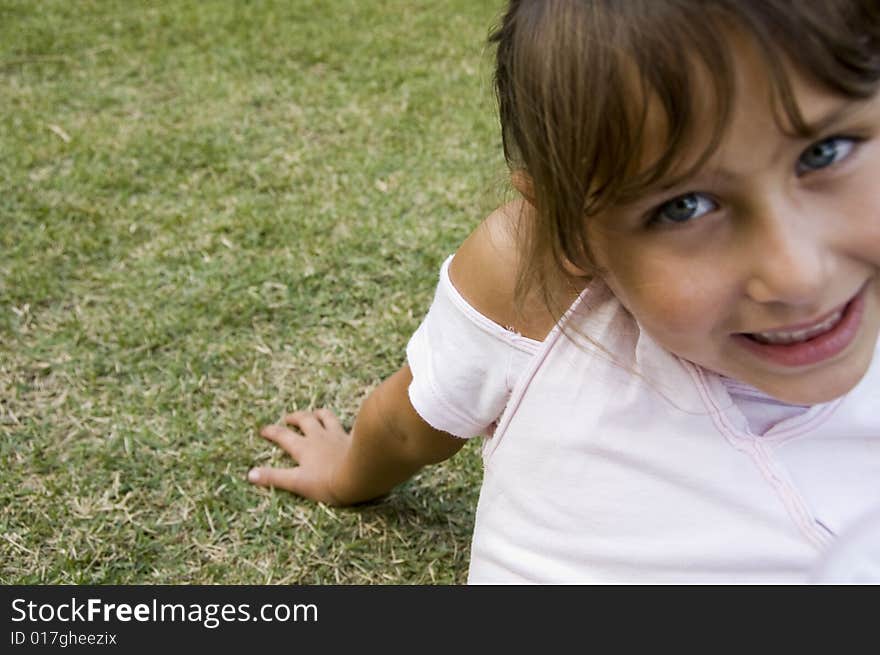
(216, 212)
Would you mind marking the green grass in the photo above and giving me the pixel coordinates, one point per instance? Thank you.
(214, 212)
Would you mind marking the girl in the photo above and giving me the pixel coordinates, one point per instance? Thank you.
(669, 341)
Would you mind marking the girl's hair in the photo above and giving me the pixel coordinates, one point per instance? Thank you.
(574, 79)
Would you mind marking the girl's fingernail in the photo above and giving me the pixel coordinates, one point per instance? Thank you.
(253, 475)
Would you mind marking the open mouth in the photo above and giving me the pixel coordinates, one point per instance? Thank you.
(787, 337)
(809, 343)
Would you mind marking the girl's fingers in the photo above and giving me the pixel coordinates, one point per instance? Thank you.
(305, 421)
(289, 478)
(294, 480)
(329, 419)
(289, 440)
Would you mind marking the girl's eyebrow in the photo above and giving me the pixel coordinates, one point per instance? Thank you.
(837, 115)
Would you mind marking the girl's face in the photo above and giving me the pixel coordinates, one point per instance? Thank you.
(764, 265)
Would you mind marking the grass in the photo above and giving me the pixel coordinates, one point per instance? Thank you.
(215, 212)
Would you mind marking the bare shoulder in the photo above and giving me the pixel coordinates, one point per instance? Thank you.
(484, 271)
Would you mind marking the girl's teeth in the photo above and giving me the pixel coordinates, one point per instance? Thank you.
(794, 336)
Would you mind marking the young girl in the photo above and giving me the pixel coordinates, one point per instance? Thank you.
(669, 341)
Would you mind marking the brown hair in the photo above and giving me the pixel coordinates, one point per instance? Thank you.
(571, 120)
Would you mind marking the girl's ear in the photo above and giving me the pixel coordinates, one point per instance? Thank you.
(522, 182)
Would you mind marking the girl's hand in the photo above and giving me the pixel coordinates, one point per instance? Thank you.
(318, 443)
(387, 445)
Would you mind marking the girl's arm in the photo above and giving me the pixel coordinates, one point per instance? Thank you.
(388, 443)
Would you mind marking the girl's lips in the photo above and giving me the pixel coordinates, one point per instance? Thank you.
(817, 349)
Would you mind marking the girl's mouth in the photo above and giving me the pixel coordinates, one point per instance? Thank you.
(788, 337)
(811, 343)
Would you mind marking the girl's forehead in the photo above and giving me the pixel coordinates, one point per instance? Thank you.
(761, 94)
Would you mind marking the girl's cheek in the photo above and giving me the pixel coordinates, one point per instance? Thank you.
(868, 241)
(672, 301)
(859, 201)
(667, 289)
(679, 313)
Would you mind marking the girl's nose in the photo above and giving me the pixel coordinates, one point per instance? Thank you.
(790, 261)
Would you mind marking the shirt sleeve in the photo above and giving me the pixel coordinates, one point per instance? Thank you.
(464, 365)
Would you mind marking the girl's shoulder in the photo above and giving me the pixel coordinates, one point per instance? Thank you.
(484, 271)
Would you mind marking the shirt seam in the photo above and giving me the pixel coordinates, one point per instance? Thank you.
(454, 413)
(510, 337)
(526, 377)
(801, 424)
(428, 386)
(796, 507)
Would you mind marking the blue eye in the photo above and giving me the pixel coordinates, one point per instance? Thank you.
(684, 208)
(825, 153)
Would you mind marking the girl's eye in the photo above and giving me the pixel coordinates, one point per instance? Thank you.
(684, 208)
(825, 153)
